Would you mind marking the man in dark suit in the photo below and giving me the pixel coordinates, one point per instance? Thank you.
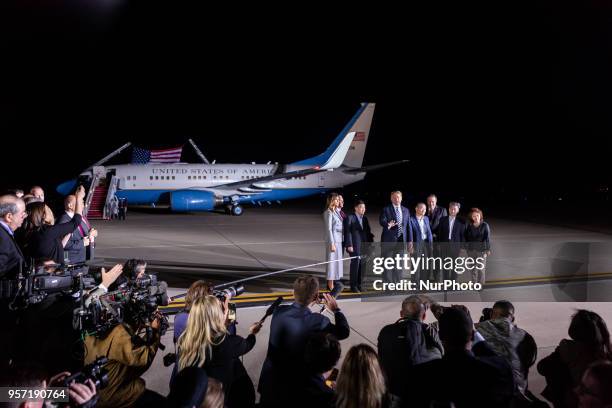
(357, 234)
(451, 235)
(434, 213)
(291, 327)
(470, 375)
(79, 247)
(423, 239)
(396, 235)
(12, 214)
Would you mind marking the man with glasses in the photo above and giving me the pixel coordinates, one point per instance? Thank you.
(12, 214)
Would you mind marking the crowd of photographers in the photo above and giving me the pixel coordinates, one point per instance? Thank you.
(96, 332)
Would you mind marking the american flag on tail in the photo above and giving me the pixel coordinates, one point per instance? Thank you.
(144, 156)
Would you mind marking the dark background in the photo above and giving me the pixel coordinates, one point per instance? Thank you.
(507, 109)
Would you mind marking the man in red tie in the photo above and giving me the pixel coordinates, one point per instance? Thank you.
(80, 244)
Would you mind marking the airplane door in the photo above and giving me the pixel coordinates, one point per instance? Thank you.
(322, 179)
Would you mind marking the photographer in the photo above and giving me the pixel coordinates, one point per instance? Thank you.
(406, 343)
(33, 376)
(133, 269)
(198, 290)
(321, 354)
(291, 327)
(464, 375)
(206, 343)
(46, 334)
(129, 357)
(509, 341)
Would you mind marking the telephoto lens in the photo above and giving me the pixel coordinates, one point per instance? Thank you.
(229, 293)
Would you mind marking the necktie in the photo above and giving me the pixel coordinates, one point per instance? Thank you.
(398, 218)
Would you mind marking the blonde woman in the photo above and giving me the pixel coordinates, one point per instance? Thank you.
(206, 343)
(197, 290)
(361, 383)
(333, 244)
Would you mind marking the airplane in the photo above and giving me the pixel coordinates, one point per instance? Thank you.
(189, 187)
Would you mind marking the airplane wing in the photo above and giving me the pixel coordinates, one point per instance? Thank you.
(254, 186)
(373, 167)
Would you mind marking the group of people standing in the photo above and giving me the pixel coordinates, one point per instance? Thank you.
(431, 232)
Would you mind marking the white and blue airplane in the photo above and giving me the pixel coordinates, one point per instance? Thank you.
(186, 187)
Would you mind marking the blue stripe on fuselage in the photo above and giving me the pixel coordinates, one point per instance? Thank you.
(149, 197)
(141, 197)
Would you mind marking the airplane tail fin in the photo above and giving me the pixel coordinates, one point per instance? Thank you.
(360, 126)
(339, 155)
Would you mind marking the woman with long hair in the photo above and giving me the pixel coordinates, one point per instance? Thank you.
(361, 382)
(563, 369)
(198, 290)
(478, 243)
(333, 244)
(41, 237)
(206, 343)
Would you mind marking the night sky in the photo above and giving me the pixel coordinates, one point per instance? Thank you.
(489, 104)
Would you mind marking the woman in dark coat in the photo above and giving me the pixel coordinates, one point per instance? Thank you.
(44, 240)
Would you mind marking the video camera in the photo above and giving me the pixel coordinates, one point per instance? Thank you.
(39, 282)
(136, 301)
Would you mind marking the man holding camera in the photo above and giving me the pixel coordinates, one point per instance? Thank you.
(291, 327)
(52, 320)
(129, 357)
(518, 347)
(406, 343)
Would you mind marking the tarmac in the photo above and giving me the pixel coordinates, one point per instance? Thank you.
(546, 271)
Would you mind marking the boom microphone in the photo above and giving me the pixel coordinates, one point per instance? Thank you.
(272, 308)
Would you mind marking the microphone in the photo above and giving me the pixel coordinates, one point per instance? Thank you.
(272, 308)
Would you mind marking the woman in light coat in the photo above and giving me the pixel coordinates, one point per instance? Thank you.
(333, 244)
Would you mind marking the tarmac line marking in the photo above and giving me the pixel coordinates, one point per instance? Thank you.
(215, 245)
(288, 295)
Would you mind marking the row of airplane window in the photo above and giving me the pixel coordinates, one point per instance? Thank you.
(200, 177)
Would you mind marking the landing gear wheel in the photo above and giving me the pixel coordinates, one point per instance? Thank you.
(236, 210)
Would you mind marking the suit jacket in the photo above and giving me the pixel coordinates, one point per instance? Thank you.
(75, 249)
(390, 235)
(458, 233)
(11, 256)
(434, 218)
(290, 329)
(355, 234)
(416, 229)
